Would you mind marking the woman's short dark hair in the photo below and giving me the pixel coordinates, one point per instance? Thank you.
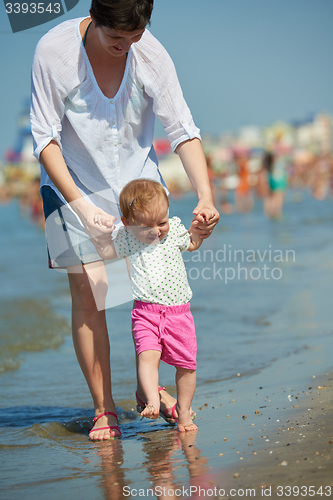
(123, 15)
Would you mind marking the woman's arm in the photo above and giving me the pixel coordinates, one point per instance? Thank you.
(52, 160)
(194, 162)
(157, 74)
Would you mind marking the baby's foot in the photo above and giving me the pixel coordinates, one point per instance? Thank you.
(187, 428)
(185, 423)
(150, 412)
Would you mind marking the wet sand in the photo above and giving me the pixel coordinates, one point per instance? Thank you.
(293, 455)
(257, 433)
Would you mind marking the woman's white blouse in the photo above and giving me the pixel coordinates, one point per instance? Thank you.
(105, 142)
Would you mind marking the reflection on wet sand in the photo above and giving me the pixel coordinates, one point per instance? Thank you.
(111, 468)
(165, 455)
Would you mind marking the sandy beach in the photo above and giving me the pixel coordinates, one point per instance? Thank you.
(253, 441)
(293, 456)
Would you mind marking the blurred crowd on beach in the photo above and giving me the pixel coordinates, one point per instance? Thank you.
(267, 177)
(263, 163)
(256, 164)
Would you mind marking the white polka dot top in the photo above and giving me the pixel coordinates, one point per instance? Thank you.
(158, 273)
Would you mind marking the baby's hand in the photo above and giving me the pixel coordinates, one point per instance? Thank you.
(103, 228)
(104, 220)
(205, 218)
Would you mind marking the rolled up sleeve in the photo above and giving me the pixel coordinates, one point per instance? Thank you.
(47, 102)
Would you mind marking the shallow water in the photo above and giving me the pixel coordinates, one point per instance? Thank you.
(253, 323)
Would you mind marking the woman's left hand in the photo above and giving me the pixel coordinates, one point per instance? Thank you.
(205, 218)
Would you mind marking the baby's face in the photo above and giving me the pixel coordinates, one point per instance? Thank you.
(153, 225)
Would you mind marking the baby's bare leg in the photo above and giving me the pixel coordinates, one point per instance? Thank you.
(186, 382)
(148, 363)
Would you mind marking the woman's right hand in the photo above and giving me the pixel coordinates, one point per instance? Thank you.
(97, 223)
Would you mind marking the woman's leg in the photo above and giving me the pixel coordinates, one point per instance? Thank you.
(186, 382)
(91, 341)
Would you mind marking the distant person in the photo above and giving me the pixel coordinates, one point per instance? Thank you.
(97, 84)
(243, 194)
(321, 177)
(262, 187)
(163, 326)
(277, 182)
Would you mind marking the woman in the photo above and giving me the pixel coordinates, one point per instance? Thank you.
(97, 84)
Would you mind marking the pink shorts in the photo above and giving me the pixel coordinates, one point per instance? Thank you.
(167, 329)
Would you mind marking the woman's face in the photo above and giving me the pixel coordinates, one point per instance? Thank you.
(117, 42)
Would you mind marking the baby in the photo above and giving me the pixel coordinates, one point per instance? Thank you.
(163, 326)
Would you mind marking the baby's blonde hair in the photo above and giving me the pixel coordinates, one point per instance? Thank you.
(139, 195)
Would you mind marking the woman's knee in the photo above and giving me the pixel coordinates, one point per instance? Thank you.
(88, 286)
(81, 292)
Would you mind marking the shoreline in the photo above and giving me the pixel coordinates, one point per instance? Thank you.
(229, 453)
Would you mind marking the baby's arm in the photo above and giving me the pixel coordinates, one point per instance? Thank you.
(108, 252)
(196, 241)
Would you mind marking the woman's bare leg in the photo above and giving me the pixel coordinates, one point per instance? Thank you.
(91, 340)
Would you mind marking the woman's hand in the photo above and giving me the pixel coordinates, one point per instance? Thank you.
(205, 218)
(97, 223)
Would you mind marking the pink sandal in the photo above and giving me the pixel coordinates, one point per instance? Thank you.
(169, 414)
(141, 405)
(107, 427)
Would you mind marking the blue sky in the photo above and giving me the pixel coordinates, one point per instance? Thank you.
(240, 62)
